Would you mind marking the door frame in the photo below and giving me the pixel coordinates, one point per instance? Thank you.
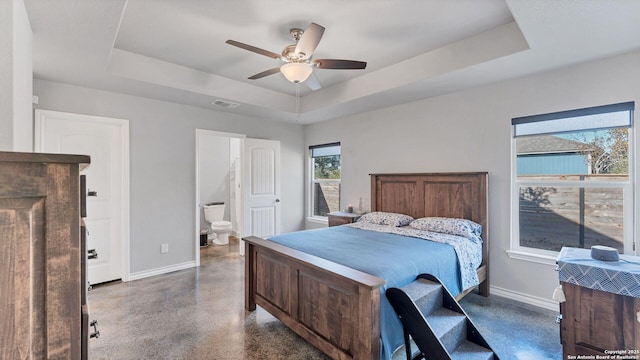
(199, 134)
(123, 124)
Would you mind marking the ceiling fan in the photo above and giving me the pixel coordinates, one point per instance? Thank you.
(298, 65)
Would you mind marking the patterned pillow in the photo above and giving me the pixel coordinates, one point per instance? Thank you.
(386, 218)
(452, 226)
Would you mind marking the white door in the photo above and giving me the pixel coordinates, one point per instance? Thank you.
(261, 183)
(106, 141)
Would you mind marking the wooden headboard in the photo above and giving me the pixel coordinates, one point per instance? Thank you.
(456, 195)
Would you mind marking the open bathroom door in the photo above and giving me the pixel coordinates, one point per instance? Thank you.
(261, 188)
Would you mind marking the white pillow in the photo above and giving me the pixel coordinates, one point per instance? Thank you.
(453, 226)
(386, 218)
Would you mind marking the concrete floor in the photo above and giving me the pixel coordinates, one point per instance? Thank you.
(199, 314)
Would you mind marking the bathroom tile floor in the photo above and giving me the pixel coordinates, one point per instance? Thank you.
(199, 314)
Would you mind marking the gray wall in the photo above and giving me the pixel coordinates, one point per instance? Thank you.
(162, 160)
(471, 131)
(16, 78)
(462, 131)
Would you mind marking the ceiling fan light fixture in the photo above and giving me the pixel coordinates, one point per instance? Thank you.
(298, 65)
(296, 72)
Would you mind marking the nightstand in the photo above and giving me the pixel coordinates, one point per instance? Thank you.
(605, 310)
(341, 218)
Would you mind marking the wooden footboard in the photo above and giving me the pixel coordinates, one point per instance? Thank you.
(335, 308)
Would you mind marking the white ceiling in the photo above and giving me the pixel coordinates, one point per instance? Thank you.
(175, 50)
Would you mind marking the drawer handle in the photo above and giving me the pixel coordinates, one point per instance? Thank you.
(96, 332)
(559, 319)
(93, 254)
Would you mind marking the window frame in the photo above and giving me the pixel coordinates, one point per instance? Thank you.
(311, 182)
(630, 202)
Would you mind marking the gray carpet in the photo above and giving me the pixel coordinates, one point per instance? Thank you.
(199, 314)
(513, 329)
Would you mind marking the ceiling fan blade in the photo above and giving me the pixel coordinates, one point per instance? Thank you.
(265, 73)
(313, 83)
(254, 49)
(339, 64)
(309, 41)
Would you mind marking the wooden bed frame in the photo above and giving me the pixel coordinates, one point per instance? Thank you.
(336, 308)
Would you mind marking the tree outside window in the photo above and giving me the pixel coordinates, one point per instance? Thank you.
(607, 151)
(327, 167)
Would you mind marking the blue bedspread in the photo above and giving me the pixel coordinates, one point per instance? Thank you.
(396, 259)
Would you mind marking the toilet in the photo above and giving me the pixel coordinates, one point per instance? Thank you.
(219, 229)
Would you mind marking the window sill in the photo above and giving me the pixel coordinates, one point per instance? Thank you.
(318, 220)
(532, 257)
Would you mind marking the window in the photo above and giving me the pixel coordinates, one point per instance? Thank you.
(573, 181)
(325, 179)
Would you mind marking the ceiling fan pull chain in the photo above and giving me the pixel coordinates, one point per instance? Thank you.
(298, 99)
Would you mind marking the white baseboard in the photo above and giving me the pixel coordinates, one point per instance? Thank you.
(161, 270)
(548, 304)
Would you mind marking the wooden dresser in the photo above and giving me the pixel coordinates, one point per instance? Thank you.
(41, 256)
(601, 314)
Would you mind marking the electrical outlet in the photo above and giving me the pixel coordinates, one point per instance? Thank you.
(164, 248)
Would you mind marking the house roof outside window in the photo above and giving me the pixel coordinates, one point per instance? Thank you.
(548, 144)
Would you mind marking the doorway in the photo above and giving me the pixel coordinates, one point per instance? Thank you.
(218, 179)
(245, 171)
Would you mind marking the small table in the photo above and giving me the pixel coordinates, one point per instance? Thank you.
(601, 313)
(340, 218)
